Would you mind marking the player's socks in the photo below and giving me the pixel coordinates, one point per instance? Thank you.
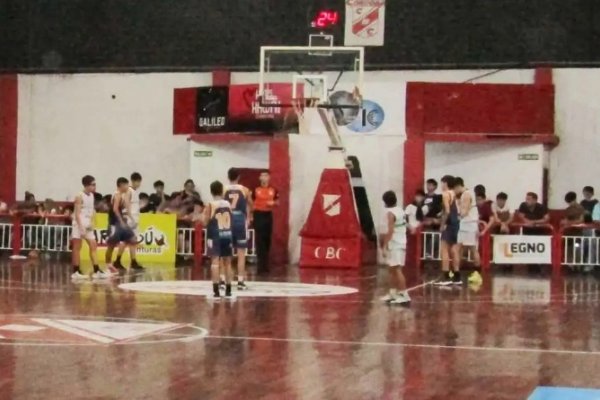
(96, 268)
(76, 269)
(216, 290)
(228, 290)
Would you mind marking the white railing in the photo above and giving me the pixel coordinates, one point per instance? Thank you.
(431, 241)
(5, 236)
(51, 238)
(580, 250)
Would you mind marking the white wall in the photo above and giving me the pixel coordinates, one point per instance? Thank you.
(575, 162)
(204, 170)
(380, 159)
(69, 126)
(497, 167)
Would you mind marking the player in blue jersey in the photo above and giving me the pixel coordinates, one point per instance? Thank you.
(241, 208)
(217, 219)
(119, 229)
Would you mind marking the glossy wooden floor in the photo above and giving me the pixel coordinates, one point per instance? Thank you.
(499, 341)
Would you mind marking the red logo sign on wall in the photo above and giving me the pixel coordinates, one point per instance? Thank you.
(244, 104)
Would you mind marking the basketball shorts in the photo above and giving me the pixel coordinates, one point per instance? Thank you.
(238, 231)
(450, 234)
(219, 247)
(468, 237)
(134, 224)
(88, 234)
(119, 233)
(396, 257)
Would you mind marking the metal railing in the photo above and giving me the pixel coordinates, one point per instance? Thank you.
(54, 236)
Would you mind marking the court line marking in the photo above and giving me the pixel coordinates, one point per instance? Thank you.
(407, 345)
(71, 329)
(554, 299)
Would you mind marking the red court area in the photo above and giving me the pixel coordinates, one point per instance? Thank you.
(134, 338)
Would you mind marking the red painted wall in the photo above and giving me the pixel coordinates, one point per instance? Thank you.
(450, 108)
(8, 136)
(279, 166)
(486, 108)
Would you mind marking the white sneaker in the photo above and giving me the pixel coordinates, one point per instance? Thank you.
(101, 275)
(402, 298)
(78, 276)
(387, 298)
(110, 269)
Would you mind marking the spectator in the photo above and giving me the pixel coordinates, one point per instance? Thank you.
(416, 210)
(502, 213)
(479, 190)
(532, 212)
(484, 207)
(189, 191)
(574, 213)
(144, 200)
(433, 201)
(588, 202)
(3, 207)
(158, 199)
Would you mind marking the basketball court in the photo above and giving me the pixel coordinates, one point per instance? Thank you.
(323, 131)
(295, 335)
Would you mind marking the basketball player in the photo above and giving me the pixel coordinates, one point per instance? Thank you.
(241, 207)
(217, 219)
(120, 231)
(133, 220)
(449, 228)
(83, 229)
(468, 233)
(393, 245)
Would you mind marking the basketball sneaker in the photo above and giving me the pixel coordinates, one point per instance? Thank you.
(101, 275)
(78, 276)
(402, 298)
(242, 285)
(444, 280)
(387, 298)
(111, 269)
(118, 266)
(457, 278)
(135, 266)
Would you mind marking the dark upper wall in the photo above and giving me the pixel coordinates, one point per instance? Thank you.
(69, 35)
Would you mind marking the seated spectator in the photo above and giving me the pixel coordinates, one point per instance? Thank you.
(433, 201)
(532, 212)
(144, 199)
(501, 213)
(189, 191)
(3, 207)
(158, 199)
(574, 213)
(484, 206)
(479, 190)
(588, 203)
(416, 210)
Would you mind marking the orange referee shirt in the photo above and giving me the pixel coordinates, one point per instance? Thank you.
(264, 198)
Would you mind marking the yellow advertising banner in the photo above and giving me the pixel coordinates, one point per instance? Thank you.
(157, 235)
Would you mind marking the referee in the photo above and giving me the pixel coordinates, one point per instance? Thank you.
(265, 199)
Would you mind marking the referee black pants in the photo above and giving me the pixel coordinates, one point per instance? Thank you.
(263, 227)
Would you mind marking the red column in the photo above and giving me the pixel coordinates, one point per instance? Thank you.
(279, 162)
(198, 244)
(8, 136)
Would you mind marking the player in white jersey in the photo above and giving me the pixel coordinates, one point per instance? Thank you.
(393, 245)
(468, 233)
(133, 221)
(83, 229)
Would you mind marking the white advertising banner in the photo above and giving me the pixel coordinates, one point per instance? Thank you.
(518, 249)
(365, 23)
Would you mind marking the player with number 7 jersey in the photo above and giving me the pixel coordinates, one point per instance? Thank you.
(241, 204)
(217, 217)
